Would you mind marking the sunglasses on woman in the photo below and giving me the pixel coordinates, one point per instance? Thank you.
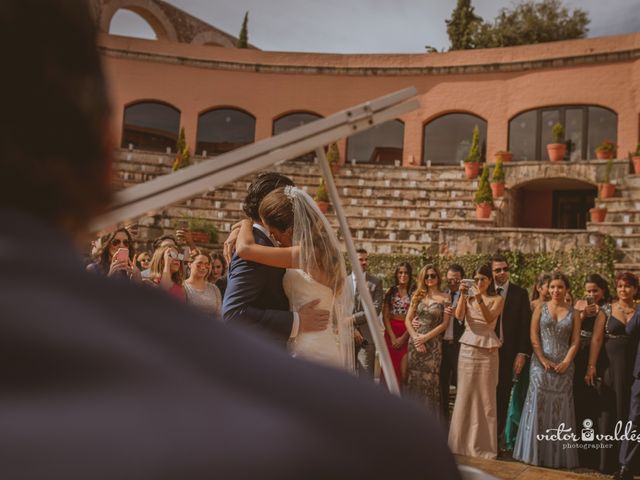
(431, 276)
(116, 242)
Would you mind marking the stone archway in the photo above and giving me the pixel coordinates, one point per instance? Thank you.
(551, 202)
(147, 9)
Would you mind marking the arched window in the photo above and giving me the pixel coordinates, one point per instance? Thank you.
(224, 129)
(151, 126)
(294, 120)
(585, 127)
(447, 139)
(130, 24)
(381, 144)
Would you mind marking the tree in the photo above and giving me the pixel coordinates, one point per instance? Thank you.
(532, 22)
(243, 38)
(462, 25)
(183, 157)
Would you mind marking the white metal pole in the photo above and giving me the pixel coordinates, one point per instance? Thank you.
(361, 283)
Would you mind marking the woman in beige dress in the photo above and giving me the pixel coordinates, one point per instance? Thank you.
(474, 424)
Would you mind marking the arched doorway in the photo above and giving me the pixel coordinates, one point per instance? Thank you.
(561, 203)
(380, 145)
(292, 120)
(150, 125)
(221, 130)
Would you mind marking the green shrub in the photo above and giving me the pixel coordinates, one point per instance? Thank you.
(483, 194)
(206, 226)
(321, 193)
(474, 151)
(183, 157)
(557, 133)
(576, 264)
(498, 173)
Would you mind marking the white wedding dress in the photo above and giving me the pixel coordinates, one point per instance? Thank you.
(319, 347)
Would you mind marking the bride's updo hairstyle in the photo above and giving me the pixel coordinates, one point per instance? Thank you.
(277, 211)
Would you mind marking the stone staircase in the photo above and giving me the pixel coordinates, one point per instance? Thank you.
(389, 209)
(622, 222)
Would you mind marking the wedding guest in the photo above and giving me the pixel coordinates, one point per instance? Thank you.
(627, 284)
(143, 260)
(394, 310)
(512, 329)
(594, 309)
(199, 292)
(365, 349)
(520, 387)
(609, 369)
(474, 424)
(540, 292)
(166, 271)
(555, 337)
(218, 275)
(451, 339)
(432, 309)
(111, 263)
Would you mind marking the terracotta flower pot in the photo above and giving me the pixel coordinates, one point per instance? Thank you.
(504, 157)
(323, 206)
(497, 189)
(483, 210)
(607, 190)
(598, 214)
(556, 151)
(603, 155)
(471, 170)
(636, 164)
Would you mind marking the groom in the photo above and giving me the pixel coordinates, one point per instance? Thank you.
(254, 294)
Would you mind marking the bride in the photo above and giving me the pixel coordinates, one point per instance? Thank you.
(310, 252)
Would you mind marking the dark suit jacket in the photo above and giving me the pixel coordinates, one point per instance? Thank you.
(104, 379)
(458, 325)
(375, 288)
(516, 323)
(255, 296)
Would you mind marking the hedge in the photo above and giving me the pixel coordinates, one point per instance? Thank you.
(524, 267)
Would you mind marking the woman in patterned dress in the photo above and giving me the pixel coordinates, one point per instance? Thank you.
(394, 310)
(425, 348)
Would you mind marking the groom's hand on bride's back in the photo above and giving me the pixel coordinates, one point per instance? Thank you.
(313, 319)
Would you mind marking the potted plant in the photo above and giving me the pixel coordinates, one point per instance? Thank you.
(607, 189)
(483, 197)
(183, 157)
(203, 231)
(322, 197)
(472, 162)
(558, 148)
(333, 157)
(635, 159)
(497, 180)
(503, 156)
(606, 150)
(598, 214)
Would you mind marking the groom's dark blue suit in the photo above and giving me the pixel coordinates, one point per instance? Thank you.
(255, 296)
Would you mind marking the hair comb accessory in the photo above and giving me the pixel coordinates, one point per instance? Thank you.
(289, 191)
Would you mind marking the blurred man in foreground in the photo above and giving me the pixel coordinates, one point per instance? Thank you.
(102, 379)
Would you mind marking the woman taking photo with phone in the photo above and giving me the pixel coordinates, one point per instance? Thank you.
(167, 272)
(115, 257)
(474, 423)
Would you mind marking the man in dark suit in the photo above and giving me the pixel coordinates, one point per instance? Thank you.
(451, 340)
(365, 349)
(254, 295)
(513, 329)
(104, 379)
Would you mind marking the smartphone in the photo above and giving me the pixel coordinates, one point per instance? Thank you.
(122, 255)
(468, 282)
(590, 300)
